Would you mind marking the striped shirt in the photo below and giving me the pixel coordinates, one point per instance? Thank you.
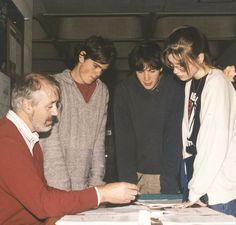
(29, 137)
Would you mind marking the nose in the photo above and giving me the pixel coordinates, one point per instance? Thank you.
(54, 111)
(146, 75)
(178, 68)
(175, 70)
(98, 72)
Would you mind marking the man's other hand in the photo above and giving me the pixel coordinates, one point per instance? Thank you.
(118, 193)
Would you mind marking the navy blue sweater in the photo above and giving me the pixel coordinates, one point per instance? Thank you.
(148, 130)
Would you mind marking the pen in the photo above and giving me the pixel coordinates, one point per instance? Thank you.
(140, 177)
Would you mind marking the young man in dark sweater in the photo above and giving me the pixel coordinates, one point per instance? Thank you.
(147, 113)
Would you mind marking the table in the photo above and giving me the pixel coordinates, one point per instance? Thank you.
(52, 221)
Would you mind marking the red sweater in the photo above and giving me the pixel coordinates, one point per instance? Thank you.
(25, 198)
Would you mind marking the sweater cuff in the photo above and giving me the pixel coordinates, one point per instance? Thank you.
(193, 197)
(98, 196)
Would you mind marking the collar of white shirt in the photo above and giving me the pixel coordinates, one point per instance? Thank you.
(30, 137)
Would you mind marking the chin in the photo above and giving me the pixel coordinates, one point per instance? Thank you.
(147, 86)
(89, 81)
(183, 78)
(44, 129)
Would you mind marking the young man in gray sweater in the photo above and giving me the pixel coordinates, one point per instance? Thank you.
(74, 150)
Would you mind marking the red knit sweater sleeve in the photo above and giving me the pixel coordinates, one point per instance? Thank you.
(22, 181)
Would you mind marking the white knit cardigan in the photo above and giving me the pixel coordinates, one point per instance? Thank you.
(215, 162)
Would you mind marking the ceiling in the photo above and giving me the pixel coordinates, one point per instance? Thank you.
(59, 25)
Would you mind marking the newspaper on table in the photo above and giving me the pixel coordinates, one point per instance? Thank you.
(150, 210)
(126, 215)
(191, 216)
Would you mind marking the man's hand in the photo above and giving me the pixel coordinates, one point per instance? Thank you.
(118, 193)
(189, 204)
(230, 72)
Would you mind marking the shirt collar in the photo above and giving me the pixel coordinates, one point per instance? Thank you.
(30, 137)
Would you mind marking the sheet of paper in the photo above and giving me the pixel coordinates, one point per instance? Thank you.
(127, 215)
(142, 215)
(192, 216)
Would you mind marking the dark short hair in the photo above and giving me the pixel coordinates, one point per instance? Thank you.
(97, 48)
(145, 53)
(24, 87)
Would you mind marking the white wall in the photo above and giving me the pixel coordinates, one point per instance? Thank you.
(26, 9)
(4, 94)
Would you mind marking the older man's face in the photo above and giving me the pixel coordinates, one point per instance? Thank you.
(45, 109)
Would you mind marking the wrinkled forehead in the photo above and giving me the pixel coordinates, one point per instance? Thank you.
(51, 90)
(48, 92)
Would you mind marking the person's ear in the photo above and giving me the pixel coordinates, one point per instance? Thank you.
(82, 56)
(200, 58)
(27, 106)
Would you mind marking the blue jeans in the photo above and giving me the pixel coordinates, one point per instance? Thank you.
(227, 208)
(186, 175)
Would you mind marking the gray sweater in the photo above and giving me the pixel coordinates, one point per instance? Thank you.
(74, 151)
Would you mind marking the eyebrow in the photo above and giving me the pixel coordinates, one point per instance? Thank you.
(97, 64)
(103, 69)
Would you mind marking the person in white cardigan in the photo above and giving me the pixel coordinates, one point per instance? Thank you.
(209, 123)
